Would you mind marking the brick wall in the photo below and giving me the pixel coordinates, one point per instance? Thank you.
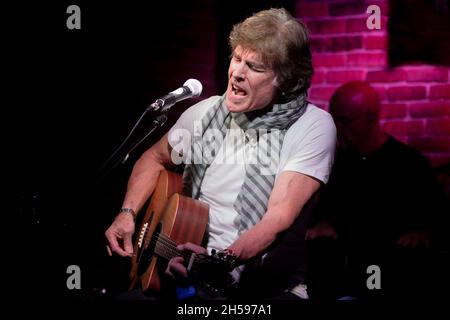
(415, 98)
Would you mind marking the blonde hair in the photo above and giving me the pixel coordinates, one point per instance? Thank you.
(283, 43)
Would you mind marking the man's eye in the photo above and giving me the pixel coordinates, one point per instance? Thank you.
(256, 68)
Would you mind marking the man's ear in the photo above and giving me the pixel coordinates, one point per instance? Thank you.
(275, 82)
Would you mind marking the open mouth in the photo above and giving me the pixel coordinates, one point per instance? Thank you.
(238, 90)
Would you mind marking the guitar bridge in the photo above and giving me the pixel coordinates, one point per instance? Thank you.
(142, 234)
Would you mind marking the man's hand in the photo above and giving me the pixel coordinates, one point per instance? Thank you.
(140, 186)
(418, 239)
(322, 230)
(119, 235)
(175, 267)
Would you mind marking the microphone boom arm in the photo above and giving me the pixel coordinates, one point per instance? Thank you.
(191, 88)
(158, 122)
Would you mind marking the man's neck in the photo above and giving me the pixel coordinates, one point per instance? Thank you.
(251, 115)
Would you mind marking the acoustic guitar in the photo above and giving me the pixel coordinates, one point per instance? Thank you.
(171, 219)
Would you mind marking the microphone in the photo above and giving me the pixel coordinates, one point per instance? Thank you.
(191, 88)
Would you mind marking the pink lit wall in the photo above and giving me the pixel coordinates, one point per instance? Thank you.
(415, 97)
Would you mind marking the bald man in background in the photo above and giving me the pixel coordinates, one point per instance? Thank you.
(380, 208)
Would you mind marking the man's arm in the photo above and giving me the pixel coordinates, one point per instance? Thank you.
(290, 193)
(145, 173)
(140, 186)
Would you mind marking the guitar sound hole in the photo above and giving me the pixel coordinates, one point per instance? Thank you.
(147, 253)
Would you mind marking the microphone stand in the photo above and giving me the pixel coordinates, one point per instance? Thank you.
(158, 122)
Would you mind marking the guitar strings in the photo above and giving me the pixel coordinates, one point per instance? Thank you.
(171, 252)
(166, 247)
(169, 245)
(165, 251)
(165, 242)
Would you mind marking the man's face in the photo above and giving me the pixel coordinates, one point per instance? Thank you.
(352, 127)
(251, 84)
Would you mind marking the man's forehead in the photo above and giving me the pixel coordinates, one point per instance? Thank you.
(354, 97)
(350, 104)
(248, 53)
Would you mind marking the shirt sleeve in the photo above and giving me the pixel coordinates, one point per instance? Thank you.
(311, 152)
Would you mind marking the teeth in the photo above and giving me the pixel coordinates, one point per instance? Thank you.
(235, 89)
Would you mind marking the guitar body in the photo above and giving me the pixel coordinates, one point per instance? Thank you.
(172, 215)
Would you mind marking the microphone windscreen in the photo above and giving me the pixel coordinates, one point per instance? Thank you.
(195, 86)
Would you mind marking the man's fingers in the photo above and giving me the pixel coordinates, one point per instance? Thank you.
(191, 247)
(112, 241)
(175, 267)
(128, 245)
(114, 245)
(119, 251)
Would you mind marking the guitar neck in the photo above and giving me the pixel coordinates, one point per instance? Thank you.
(166, 248)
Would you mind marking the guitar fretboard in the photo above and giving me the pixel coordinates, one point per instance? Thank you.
(166, 247)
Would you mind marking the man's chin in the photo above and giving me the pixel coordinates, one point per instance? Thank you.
(234, 108)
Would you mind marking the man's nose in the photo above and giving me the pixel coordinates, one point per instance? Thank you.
(239, 72)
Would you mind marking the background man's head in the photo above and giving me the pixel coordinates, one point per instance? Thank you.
(355, 107)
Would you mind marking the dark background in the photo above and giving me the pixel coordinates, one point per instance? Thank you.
(71, 96)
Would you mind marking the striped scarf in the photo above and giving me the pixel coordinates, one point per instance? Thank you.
(266, 131)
